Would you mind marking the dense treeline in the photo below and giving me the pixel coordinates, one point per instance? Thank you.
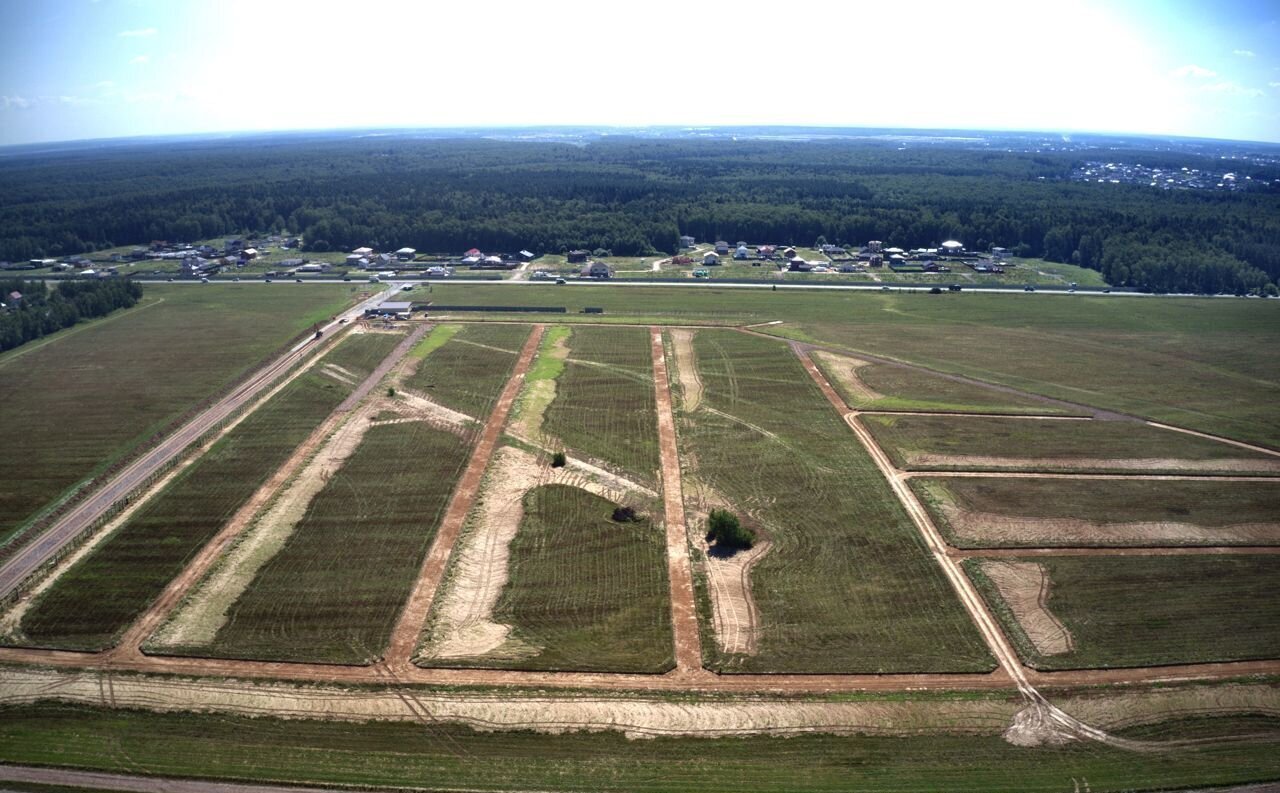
(636, 197)
(31, 310)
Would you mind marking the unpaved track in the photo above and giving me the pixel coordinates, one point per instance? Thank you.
(36, 553)
(404, 638)
(684, 615)
(1025, 589)
(1086, 475)
(1158, 550)
(130, 644)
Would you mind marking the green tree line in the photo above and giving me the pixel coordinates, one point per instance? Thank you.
(32, 310)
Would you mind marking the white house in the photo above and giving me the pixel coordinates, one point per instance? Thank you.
(742, 252)
(711, 258)
(951, 246)
(687, 242)
(366, 252)
(406, 254)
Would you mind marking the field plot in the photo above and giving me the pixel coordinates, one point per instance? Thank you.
(604, 404)
(93, 601)
(847, 584)
(332, 593)
(81, 399)
(868, 385)
(941, 443)
(993, 512)
(1085, 612)
(467, 372)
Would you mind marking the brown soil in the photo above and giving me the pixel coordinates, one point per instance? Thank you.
(684, 619)
(1025, 588)
(928, 459)
(845, 370)
(413, 618)
(686, 369)
(734, 614)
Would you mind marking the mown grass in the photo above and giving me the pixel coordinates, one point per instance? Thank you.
(848, 585)
(1194, 362)
(94, 601)
(442, 757)
(590, 594)
(604, 407)
(333, 593)
(1205, 505)
(904, 388)
(87, 396)
(1058, 445)
(466, 377)
(1152, 610)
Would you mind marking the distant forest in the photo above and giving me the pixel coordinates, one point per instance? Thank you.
(31, 310)
(636, 197)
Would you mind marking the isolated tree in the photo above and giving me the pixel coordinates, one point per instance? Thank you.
(724, 529)
(558, 460)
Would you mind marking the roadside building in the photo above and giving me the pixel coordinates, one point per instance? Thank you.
(711, 258)
(391, 309)
(364, 252)
(951, 247)
(406, 254)
(687, 242)
(798, 265)
(528, 256)
(597, 270)
(577, 257)
(722, 247)
(356, 260)
(742, 253)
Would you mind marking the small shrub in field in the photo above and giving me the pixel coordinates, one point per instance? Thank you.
(558, 460)
(724, 528)
(625, 515)
(391, 392)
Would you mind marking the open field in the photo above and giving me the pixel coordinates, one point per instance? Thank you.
(88, 395)
(940, 443)
(324, 597)
(585, 593)
(604, 408)
(469, 369)
(868, 385)
(1142, 611)
(92, 602)
(989, 512)
(1107, 351)
(869, 599)
(451, 757)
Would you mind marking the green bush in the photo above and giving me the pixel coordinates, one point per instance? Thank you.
(724, 529)
(558, 460)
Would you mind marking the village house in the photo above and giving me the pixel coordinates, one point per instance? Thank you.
(365, 252)
(711, 258)
(722, 247)
(597, 270)
(742, 253)
(687, 242)
(577, 257)
(406, 254)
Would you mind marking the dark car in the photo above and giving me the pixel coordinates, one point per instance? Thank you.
(1028, 288)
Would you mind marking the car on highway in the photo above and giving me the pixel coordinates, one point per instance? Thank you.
(297, 280)
(561, 281)
(1028, 288)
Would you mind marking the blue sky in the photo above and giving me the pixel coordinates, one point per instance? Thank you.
(76, 69)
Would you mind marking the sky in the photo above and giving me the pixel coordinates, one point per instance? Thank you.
(84, 69)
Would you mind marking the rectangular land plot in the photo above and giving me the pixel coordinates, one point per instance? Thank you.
(96, 599)
(467, 372)
(333, 592)
(83, 398)
(604, 405)
(979, 443)
(869, 385)
(1004, 512)
(846, 584)
(1087, 612)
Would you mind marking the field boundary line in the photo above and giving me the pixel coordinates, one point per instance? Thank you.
(684, 614)
(1088, 475)
(413, 615)
(972, 414)
(131, 642)
(1006, 552)
(1211, 437)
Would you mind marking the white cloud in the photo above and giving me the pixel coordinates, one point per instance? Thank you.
(141, 60)
(1245, 53)
(20, 102)
(1232, 88)
(1191, 70)
(1274, 85)
(140, 33)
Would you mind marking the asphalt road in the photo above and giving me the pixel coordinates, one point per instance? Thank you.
(37, 552)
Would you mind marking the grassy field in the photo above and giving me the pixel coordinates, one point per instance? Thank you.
(924, 443)
(333, 593)
(590, 594)
(1154, 610)
(848, 585)
(1109, 351)
(1211, 507)
(891, 387)
(604, 404)
(88, 395)
(94, 601)
(467, 372)
(440, 757)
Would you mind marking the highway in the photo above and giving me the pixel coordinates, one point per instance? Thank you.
(31, 556)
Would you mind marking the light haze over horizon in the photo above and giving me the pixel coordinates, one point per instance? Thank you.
(85, 69)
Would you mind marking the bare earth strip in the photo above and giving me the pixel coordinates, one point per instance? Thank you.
(686, 369)
(991, 527)
(198, 620)
(928, 459)
(130, 643)
(412, 620)
(733, 612)
(845, 369)
(463, 625)
(684, 615)
(423, 408)
(1025, 588)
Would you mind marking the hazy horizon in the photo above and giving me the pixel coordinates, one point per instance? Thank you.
(103, 69)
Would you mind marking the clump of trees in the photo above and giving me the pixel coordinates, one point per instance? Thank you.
(558, 460)
(32, 310)
(725, 530)
(625, 515)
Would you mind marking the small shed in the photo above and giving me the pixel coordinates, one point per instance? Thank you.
(711, 258)
(406, 254)
(722, 247)
(742, 253)
(366, 252)
(578, 257)
(687, 241)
